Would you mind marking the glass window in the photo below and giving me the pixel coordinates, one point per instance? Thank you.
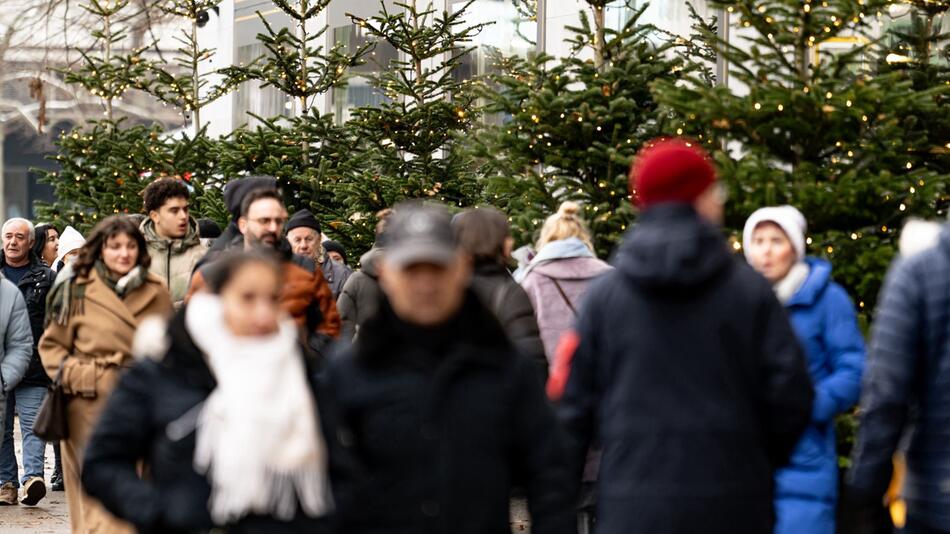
(250, 97)
(358, 91)
(514, 32)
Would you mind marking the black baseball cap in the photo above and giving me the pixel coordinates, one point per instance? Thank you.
(418, 232)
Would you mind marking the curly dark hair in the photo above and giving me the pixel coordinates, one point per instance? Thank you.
(110, 227)
(158, 192)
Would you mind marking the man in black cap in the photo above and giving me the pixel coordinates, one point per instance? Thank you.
(304, 233)
(441, 413)
(234, 193)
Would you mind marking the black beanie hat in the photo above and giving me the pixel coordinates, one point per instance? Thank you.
(335, 246)
(303, 218)
(236, 190)
(208, 229)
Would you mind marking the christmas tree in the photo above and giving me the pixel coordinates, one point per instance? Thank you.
(809, 123)
(105, 164)
(917, 47)
(573, 124)
(409, 146)
(307, 153)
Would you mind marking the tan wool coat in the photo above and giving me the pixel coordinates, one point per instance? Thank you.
(94, 346)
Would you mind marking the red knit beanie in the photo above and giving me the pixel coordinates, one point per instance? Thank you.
(670, 170)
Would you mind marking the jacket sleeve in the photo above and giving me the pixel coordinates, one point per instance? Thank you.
(889, 382)
(573, 387)
(120, 441)
(17, 343)
(542, 456)
(330, 326)
(842, 338)
(786, 391)
(522, 326)
(346, 305)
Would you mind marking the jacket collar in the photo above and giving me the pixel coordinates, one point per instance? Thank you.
(819, 276)
(477, 335)
(124, 309)
(33, 263)
(176, 246)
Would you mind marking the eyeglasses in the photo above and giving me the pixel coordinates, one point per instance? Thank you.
(267, 221)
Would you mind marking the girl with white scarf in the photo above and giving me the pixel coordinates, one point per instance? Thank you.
(222, 412)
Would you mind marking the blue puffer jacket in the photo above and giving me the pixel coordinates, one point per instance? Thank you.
(825, 321)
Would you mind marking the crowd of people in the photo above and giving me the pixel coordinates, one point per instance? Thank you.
(249, 380)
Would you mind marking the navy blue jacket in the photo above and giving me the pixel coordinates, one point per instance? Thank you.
(907, 388)
(688, 373)
(826, 323)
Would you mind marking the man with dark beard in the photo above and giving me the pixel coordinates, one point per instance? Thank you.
(306, 295)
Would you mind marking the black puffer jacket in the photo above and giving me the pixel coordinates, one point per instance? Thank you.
(35, 285)
(443, 423)
(511, 305)
(687, 372)
(137, 425)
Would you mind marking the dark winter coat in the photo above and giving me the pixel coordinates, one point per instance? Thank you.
(511, 305)
(826, 324)
(357, 302)
(336, 274)
(151, 417)
(906, 398)
(685, 369)
(443, 424)
(34, 286)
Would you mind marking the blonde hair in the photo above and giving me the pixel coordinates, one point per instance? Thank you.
(564, 224)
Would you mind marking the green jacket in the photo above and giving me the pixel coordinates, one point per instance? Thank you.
(174, 260)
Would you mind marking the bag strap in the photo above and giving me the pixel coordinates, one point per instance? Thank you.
(563, 294)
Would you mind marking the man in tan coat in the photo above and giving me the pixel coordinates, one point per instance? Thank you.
(94, 310)
(172, 235)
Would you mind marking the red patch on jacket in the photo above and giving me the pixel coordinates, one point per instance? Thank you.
(563, 357)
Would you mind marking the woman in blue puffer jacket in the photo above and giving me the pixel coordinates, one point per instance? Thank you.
(823, 316)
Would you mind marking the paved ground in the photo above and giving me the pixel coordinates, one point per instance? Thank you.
(48, 517)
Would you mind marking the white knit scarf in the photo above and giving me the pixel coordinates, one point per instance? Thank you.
(257, 435)
(786, 288)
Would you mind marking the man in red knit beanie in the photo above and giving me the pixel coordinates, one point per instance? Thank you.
(682, 366)
(677, 171)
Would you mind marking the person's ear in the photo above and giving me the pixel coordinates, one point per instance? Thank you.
(153, 216)
(509, 247)
(242, 224)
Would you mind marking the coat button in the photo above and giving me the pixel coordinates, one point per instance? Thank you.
(430, 508)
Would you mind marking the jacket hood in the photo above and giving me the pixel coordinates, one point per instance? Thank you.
(69, 241)
(671, 247)
(368, 262)
(819, 276)
(177, 245)
(546, 261)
